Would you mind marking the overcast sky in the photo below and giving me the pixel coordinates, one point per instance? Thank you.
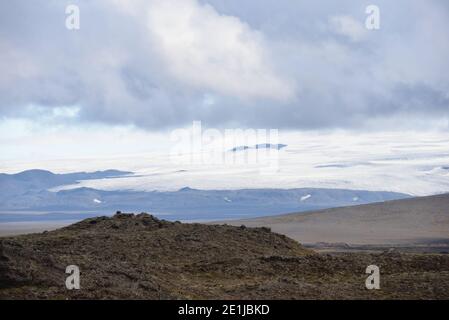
(137, 70)
(265, 63)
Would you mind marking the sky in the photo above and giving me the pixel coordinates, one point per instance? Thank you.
(137, 70)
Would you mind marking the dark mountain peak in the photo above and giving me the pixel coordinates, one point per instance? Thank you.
(278, 146)
(34, 174)
(40, 173)
(240, 148)
(186, 189)
(106, 174)
(80, 190)
(111, 172)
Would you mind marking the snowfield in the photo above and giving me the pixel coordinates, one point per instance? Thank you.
(406, 162)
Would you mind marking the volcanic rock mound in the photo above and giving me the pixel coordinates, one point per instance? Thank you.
(136, 256)
(141, 257)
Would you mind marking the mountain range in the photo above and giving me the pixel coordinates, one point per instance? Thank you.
(30, 192)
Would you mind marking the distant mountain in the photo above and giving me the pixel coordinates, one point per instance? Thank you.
(38, 181)
(259, 146)
(28, 191)
(46, 179)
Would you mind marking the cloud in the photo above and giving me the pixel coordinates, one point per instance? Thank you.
(348, 26)
(268, 63)
(206, 50)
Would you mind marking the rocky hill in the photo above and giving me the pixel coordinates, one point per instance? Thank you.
(141, 257)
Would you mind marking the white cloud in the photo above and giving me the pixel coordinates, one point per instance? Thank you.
(23, 67)
(216, 52)
(65, 112)
(286, 64)
(348, 26)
